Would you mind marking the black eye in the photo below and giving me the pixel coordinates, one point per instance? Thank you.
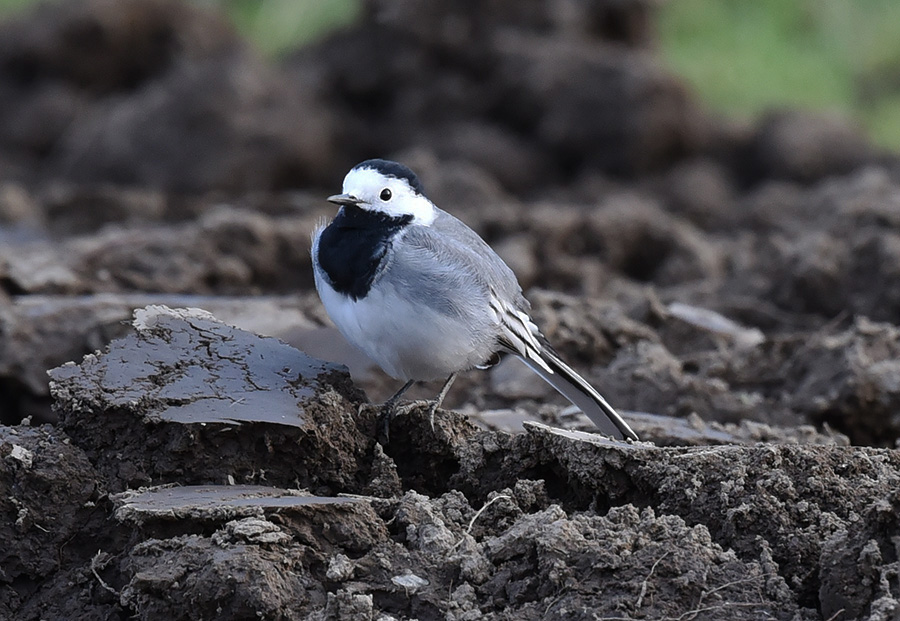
(385, 194)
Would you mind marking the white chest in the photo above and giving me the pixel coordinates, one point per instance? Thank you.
(406, 338)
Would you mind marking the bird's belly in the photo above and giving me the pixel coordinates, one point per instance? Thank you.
(408, 340)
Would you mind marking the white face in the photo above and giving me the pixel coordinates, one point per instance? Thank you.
(388, 195)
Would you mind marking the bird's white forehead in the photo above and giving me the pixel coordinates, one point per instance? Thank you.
(367, 183)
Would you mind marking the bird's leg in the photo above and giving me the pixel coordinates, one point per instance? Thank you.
(432, 408)
(390, 403)
(389, 407)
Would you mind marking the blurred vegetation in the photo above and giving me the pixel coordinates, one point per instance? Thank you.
(9, 6)
(742, 56)
(276, 26)
(745, 56)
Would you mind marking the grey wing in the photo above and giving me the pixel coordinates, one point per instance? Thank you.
(452, 268)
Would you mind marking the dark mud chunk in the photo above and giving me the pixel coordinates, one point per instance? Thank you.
(153, 93)
(190, 399)
(267, 561)
(227, 122)
(517, 164)
(857, 561)
(556, 90)
(78, 210)
(703, 191)
(56, 61)
(632, 115)
(626, 234)
(192, 577)
(831, 249)
(548, 552)
(806, 147)
(45, 487)
(742, 494)
(850, 379)
(52, 517)
(230, 251)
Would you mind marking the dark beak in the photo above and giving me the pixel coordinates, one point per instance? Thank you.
(344, 199)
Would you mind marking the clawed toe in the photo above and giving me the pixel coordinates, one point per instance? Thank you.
(390, 412)
(366, 406)
(432, 408)
(409, 406)
(391, 407)
(387, 411)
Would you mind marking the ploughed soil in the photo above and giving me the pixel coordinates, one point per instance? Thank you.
(733, 288)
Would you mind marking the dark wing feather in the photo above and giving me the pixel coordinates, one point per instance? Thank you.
(576, 389)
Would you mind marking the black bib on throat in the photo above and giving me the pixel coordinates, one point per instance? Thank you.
(352, 248)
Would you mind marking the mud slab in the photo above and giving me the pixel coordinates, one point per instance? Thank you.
(206, 386)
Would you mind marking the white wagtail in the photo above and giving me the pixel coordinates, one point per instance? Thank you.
(425, 297)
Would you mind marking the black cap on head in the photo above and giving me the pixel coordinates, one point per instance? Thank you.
(393, 169)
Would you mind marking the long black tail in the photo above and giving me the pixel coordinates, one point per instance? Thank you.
(576, 389)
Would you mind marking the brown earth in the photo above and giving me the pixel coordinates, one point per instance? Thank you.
(733, 288)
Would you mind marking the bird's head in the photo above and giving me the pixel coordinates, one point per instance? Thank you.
(385, 187)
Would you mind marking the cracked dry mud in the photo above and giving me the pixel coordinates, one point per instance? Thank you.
(733, 288)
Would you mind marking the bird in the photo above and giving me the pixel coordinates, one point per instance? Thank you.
(425, 297)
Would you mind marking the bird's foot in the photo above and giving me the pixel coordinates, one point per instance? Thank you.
(387, 411)
(432, 405)
(392, 407)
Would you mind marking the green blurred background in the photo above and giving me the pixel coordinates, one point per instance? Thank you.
(741, 56)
